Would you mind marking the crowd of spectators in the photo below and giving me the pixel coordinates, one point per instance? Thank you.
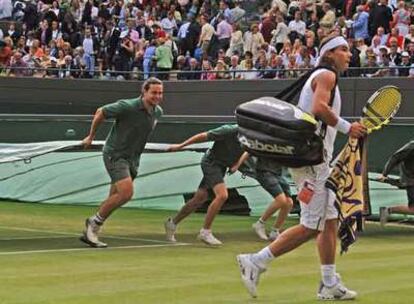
(200, 39)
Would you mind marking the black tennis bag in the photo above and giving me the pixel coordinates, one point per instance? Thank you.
(273, 128)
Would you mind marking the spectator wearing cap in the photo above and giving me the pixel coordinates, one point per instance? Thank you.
(52, 70)
(360, 25)
(405, 65)
(223, 32)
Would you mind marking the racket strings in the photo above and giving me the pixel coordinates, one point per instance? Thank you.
(382, 108)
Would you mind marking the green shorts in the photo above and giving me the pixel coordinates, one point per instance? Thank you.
(213, 173)
(273, 183)
(119, 169)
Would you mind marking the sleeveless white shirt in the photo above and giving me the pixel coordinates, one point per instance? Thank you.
(305, 103)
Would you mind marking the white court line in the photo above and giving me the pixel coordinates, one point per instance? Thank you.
(79, 234)
(90, 249)
(35, 237)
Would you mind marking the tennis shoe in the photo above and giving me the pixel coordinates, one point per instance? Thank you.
(207, 237)
(336, 292)
(260, 229)
(90, 234)
(170, 229)
(250, 273)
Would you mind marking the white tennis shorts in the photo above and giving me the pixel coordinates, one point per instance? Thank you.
(321, 206)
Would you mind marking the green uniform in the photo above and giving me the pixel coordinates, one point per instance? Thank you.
(128, 136)
(225, 152)
(404, 157)
(269, 174)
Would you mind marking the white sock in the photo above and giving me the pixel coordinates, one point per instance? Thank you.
(328, 275)
(99, 220)
(263, 257)
(261, 221)
(205, 231)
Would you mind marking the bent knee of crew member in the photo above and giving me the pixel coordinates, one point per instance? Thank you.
(126, 194)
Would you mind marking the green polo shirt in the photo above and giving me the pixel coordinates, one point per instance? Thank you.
(131, 129)
(226, 149)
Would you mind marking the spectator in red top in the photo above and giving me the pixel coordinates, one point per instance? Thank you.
(396, 36)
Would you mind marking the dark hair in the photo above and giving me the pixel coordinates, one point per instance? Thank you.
(150, 81)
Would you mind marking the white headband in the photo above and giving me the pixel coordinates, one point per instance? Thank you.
(330, 45)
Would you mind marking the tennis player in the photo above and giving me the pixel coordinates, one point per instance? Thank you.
(318, 214)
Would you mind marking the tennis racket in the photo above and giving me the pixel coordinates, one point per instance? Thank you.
(381, 107)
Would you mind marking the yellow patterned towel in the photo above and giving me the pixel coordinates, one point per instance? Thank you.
(347, 181)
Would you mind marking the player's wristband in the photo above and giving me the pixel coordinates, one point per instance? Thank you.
(343, 126)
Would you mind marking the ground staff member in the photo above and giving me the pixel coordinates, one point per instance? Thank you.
(404, 157)
(134, 121)
(224, 154)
